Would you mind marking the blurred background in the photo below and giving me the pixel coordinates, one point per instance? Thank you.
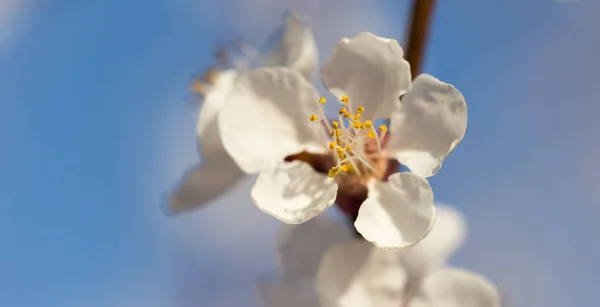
(94, 128)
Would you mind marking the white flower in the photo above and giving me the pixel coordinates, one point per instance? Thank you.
(218, 171)
(265, 128)
(301, 248)
(288, 293)
(354, 274)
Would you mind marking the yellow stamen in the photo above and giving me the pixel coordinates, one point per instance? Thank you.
(197, 87)
(348, 141)
(211, 75)
(333, 171)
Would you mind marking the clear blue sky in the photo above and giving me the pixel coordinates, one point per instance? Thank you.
(94, 127)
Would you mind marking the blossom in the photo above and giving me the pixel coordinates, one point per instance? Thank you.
(354, 274)
(272, 124)
(300, 249)
(217, 171)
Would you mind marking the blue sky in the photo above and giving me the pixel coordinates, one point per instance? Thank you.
(94, 128)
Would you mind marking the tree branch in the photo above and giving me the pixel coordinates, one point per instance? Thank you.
(420, 23)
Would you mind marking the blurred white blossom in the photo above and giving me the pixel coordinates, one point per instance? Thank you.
(301, 248)
(320, 256)
(218, 172)
(355, 274)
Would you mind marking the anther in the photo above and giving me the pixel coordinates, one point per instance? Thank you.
(313, 117)
(197, 87)
(333, 171)
(344, 99)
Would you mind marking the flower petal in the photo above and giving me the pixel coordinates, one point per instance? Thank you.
(203, 183)
(208, 126)
(218, 171)
(297, 48)
(371, 71)
(293, 192)
(398, 213)
(266, 117)
(430, 122)
(453, 287)
(288, 293)
(431, 253)
(302, 246)
(355, 274)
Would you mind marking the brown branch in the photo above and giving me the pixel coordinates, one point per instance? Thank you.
(420, 23)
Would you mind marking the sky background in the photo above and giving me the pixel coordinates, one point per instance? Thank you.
(94, 128)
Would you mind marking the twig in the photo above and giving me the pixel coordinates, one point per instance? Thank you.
(420, 23)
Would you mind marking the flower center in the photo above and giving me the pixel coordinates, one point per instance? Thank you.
(356, 144)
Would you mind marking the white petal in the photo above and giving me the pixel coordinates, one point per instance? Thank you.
(430, 122)
(207, 126)
(446, 236)
(457, 288)
(398, 213)
(302, 246)
(355, 274)
(202, 184)
(288, 293)
(266, 117)
(218, 171)
(293, 192)
(371, 71)
(297, 49)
